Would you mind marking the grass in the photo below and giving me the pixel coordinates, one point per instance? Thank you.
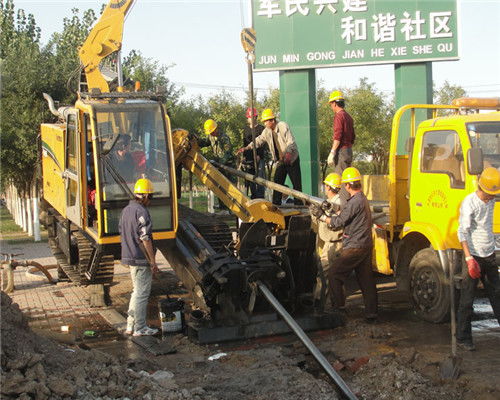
(12, 233)
(199, 203)
(7, 224)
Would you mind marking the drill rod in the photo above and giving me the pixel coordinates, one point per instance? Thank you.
(271, 185)
(320, 358)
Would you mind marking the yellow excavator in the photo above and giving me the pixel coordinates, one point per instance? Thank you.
(91, 158)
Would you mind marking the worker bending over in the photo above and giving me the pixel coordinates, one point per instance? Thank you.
(284, 152)
(357, 245)
(329, 241)
(475, 233)
(219, 142)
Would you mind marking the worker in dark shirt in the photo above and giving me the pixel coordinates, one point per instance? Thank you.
(357, 246)
(136, 232)
(248, 165)
(343, 134)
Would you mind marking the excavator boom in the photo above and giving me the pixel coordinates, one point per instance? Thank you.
(104, 39)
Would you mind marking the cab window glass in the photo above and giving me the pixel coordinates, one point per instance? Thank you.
(133, 144)
(71, 143)
(486, 135)
(442, 153)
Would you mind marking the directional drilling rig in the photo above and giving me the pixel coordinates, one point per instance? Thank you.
(86, 186)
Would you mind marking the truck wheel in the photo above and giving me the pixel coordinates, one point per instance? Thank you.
(429, 292)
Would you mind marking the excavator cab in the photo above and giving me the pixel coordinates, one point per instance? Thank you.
(91, 160)
(131, 143)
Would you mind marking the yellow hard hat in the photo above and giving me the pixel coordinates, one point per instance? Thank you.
(333, 180)
(143, 186)
(335, 96)
(267, 114)
(350, 174)
(209, 126)
(489, 181)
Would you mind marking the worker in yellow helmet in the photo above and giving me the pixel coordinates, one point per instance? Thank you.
(219, 142)
(283, 149)
(357, 246)
(340, 156)
(475, 233)
(222, 149)
(137, 252)
(329, 241)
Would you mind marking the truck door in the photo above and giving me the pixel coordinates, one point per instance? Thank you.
(437, 183)
(72, 169)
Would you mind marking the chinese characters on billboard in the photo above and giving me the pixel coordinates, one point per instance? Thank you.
(322, 33)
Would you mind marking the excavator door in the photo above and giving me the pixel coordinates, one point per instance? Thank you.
(72, 168)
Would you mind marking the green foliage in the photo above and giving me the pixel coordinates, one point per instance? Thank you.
(63, 60)
(22, 63)
(151, 74)
(372, 115)
(446, 94)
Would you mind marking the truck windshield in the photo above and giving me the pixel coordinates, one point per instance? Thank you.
(132, 145)
(486, 135)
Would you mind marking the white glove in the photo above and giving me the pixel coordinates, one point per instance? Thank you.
(330, 158)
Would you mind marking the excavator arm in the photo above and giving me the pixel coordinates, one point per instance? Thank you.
(187, 153)
(104, 39)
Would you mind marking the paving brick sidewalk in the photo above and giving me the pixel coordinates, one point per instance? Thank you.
(49, 306)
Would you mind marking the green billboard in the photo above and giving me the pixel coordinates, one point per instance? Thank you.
(294, 34)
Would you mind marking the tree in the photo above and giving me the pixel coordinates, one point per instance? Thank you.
(372, 115)
(22, 63)
(63, 72)
(151, 74)
(446, 94)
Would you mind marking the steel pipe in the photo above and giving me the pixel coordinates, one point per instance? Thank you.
(271, 185)
(320, 358)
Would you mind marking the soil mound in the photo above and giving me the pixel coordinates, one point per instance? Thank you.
(36, 367)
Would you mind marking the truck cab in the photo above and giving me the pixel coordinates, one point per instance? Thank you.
(443, 160)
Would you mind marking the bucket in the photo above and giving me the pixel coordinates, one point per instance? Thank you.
(171, 315)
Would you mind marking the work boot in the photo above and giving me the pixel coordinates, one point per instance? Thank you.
(146, 331)
(468, 346)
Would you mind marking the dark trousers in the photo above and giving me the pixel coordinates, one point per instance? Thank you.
(257, 191)
(359, 260)
(343, 159)
(491, 283)
(293, 171)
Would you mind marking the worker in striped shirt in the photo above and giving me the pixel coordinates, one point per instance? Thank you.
(475, 233)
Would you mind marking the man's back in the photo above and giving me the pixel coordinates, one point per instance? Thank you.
(135, 225)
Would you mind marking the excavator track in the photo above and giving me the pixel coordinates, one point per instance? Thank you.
(216, 232)
(86, 253)
(105, 269)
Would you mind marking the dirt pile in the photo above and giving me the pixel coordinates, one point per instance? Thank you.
(35, 367)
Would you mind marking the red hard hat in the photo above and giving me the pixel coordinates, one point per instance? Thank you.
(249, 112)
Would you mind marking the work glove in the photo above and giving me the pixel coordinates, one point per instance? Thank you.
(316, 210)
(287, 158)
(330, 159)
(474, 269)
(326, 205)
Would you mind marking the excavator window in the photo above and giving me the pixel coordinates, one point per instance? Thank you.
(132, 144)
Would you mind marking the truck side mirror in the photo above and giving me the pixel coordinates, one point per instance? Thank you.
(475, 160)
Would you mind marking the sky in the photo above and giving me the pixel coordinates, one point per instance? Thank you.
(200, 40)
